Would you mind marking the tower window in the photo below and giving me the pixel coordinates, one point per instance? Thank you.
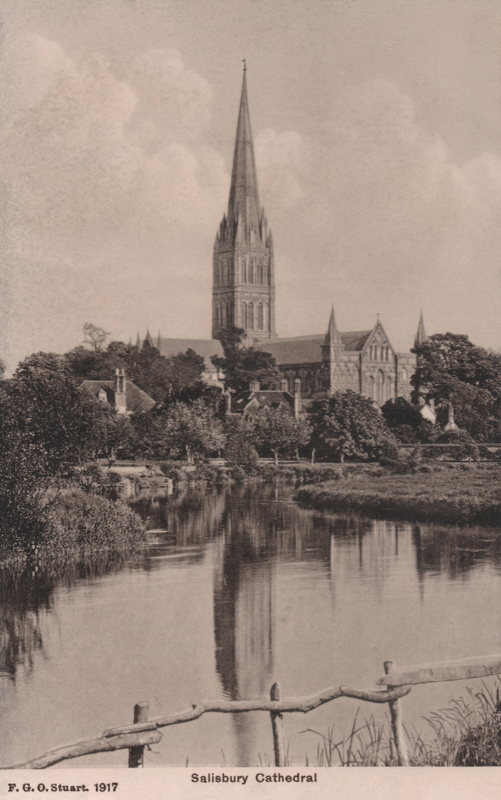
(244, 315)
(250, 316)
(260, 316)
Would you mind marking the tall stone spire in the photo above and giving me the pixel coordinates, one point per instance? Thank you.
(243, 293)
(243, 205)
(421, 333)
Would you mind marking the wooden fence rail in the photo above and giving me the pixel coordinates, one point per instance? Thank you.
(397, 682)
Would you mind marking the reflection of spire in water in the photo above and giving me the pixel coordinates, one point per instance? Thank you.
(420, 571)
(243, 622)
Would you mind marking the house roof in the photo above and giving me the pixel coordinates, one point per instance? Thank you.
(203, 347)
(136, 399)
(308, 349)
(264, 398)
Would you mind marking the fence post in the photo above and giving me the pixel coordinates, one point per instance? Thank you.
(277, 726)
(396, 723)
(136, 754)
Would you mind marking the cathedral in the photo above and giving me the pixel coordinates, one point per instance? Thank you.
(243, 295)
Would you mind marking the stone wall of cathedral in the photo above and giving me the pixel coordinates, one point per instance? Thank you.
(378, 380)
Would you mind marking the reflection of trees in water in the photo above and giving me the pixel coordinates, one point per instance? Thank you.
(24, 595)
(255, 527)
(453, 550)
(191, 516)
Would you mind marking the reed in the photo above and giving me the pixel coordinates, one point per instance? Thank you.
(466, 733)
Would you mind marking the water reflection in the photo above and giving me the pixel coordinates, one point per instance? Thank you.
(27, 593)
(295, 594)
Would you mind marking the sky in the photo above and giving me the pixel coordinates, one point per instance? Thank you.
(377, 135)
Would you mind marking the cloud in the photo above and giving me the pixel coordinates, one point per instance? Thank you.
(101, 171)
(396, 221)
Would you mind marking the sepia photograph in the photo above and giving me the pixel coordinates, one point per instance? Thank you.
(250, 398)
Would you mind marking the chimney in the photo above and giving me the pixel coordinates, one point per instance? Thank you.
(297, 397)
(284, 385)
(120, 391)
(254, 386)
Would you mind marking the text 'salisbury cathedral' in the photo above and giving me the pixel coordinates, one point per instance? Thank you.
(243, 295)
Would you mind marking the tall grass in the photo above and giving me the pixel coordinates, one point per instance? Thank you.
(466, 733)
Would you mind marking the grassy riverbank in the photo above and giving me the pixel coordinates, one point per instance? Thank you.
(465, 494)
(73, 525)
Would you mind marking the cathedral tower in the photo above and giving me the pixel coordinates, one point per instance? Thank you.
(243, 284)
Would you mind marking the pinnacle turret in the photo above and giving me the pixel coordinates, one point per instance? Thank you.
(421, 333)
(332, 336)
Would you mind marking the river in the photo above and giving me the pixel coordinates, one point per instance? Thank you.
(241, 587)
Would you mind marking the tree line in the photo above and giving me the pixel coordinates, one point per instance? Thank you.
(48, 424)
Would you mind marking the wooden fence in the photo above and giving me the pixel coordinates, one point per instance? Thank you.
(396, 682)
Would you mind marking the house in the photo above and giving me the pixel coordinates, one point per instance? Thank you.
(120, 393)
(249, 403)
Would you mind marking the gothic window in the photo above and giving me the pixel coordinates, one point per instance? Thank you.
(244, 270)
(380, 388)
(387, 353)
(389, 387)
(251, 271)
(244, 315)
(261, 270)
(250, 316)
(382, 353)
(260, 316)
(371, 387)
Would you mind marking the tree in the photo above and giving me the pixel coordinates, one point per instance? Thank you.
(405, 421)
(46, 409)
(280, 432)
(164, 379)
(347, 425)
(231, 338)
(94, 336)
(242, 366)
(453, 370)
(192, 430)
(240, 448)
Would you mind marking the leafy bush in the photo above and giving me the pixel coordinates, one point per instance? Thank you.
(465, 445)
(348, 426)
